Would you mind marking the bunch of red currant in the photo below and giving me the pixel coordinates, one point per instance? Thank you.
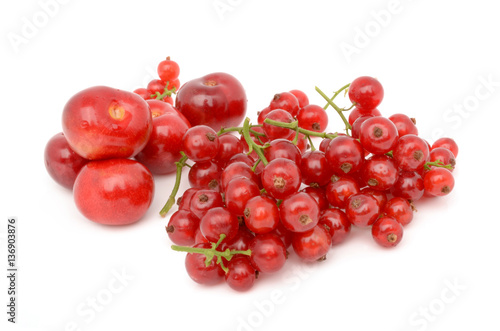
(258, 189)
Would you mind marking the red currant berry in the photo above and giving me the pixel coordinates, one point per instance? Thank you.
(238, 191)
(336, 223)
(205, 175)
(442, 155)
(286, 101)
(204, 200)
(301, 98)
(438, 182)
(261, 115)
(241, 157)
(241, 274)
(229, 145)
(339, 190)
(276, 132)
(362, 209)
(409, 186)
(356, 113)
(168, 70)
(345, 155)
(240, 242)
(319, 194)
(366, 92)
(299, 212)
(200, 143)
(447, 143)
(313, 118)
(387, 232)
(284, 234)
(182, 228)
(379, 195)
(199, 271)
(404, 124)
(379, 172)
(356, 126)
(156, 86)
(400, 209)
(261, 214)
(302, 142)
(315, 169)
(268, 253)
(237, 169)
(144, 93)
(217, 221)
(378, 135)
(312, 245)
(185, 200)
(282, 148)
(281, 178)
(411, 153)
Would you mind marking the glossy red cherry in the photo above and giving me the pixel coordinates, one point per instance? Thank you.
(102, 122)
(312, 245)
(62, 163)
(114, 192)
(159, 108)
(387, 232)
(216, 100)
(378, 135)
(182, 228)
(336, 223)
(165, 144)
(366, 92)
(199, 272)
(299, 212)
(268, 253)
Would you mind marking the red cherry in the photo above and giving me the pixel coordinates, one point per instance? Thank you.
(62, 163)
(102, 123)
(114, 192)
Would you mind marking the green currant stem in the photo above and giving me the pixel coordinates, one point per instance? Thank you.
(239, 129)
(171, 200)
(212, 252)
(252, 146)
(166, 93)
(335, 95)
(295, 127)
(339, 111)
(256, 164)
(311, 143)
(439, 164)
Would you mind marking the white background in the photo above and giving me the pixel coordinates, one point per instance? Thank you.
(432, 57)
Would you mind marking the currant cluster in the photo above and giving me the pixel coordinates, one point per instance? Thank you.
(167, 84)
(257, 190)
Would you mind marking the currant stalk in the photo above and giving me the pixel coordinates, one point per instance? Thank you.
(166, 93)
(438, 164)
(337, 108)
(171, 200)
(211, 253)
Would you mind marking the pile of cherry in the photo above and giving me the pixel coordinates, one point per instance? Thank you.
(256, 193)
